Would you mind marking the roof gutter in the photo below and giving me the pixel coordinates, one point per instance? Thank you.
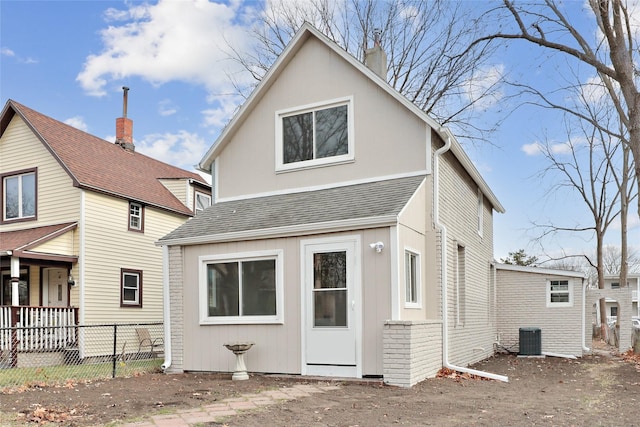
(443, 267)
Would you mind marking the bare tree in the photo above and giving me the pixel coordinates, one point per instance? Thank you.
(612, 260)
(423, 40)
(613, 56)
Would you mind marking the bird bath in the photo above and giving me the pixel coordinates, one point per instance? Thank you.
(239, 349)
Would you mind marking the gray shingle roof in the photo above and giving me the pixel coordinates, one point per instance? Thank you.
(368, 200)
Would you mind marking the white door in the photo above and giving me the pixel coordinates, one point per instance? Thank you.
(56, 294)
(331, 307)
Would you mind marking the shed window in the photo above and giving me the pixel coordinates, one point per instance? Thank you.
(559, 293)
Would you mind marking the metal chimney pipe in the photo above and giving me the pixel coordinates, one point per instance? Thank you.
(124, 101)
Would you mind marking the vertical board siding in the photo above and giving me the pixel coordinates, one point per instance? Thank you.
(277, 347)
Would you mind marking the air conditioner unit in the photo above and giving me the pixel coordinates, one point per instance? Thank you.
(530, 342)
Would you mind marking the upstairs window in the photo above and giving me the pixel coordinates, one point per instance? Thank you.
(136, 217)
(19, 196)
(615, 285)
(202, 201)
(314, 136)
(131, 288)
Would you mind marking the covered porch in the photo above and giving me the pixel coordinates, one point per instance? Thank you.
(36, 278)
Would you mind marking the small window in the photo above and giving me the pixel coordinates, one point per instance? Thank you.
(559, 293)
(316, 135)
(136, 217)
(614, 311)
(203, 201)
(615, 285)
(131, 288)
(19, 196)
(412, 279)
(241, 289)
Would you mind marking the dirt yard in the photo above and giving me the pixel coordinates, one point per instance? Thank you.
(597, 390)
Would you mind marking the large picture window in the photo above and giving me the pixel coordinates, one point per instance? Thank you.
(314, 135)
(19, 196)
(243, 288)
(131, 288)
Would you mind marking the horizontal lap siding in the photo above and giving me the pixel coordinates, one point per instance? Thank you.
(522, 304)
(109, 247)
(472, 339)
(58, 201)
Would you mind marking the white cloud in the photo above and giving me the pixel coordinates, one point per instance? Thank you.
(78, 123)
(166, 108)
(532, 149)
(169, 41)
(182, 149)
(7, 52)
(482, 87)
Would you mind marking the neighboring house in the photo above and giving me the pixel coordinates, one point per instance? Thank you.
(79, 218)
(613, 282)
(343, 218)
(549, 302)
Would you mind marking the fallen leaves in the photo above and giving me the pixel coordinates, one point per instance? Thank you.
(42, 415)
(459, 376)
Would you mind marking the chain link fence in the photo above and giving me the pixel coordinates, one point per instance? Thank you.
(59, 355)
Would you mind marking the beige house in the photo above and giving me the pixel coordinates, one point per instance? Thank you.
(613, 306)
(349, 235)
(548, 301)
(79, 218)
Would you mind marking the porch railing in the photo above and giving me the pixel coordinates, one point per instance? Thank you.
(25, 328)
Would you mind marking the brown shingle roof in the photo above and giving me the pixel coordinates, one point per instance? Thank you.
(24, 239)
(96, 164)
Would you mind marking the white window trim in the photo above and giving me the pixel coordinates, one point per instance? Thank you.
(195, 200)
(306, 164)
(139, 216)
(559, 304)
(205, 319)
(418, 303)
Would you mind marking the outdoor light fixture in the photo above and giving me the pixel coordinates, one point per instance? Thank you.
(70, 280)
(378, 246)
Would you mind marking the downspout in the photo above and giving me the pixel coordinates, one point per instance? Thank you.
(584, 313)
(166, 308)
(443, 265)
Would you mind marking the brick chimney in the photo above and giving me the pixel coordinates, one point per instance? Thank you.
(124, 126)
(375, 58)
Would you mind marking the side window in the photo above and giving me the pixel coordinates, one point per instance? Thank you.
(136, 217)
(202, 201)
(130, 288)
(412, 279)
(19, 199)
(559, 293)
(23, 288)
(314, 135)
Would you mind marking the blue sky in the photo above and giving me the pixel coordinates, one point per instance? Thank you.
(70, 59)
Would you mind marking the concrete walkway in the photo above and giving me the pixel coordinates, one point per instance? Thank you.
(216, 412)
